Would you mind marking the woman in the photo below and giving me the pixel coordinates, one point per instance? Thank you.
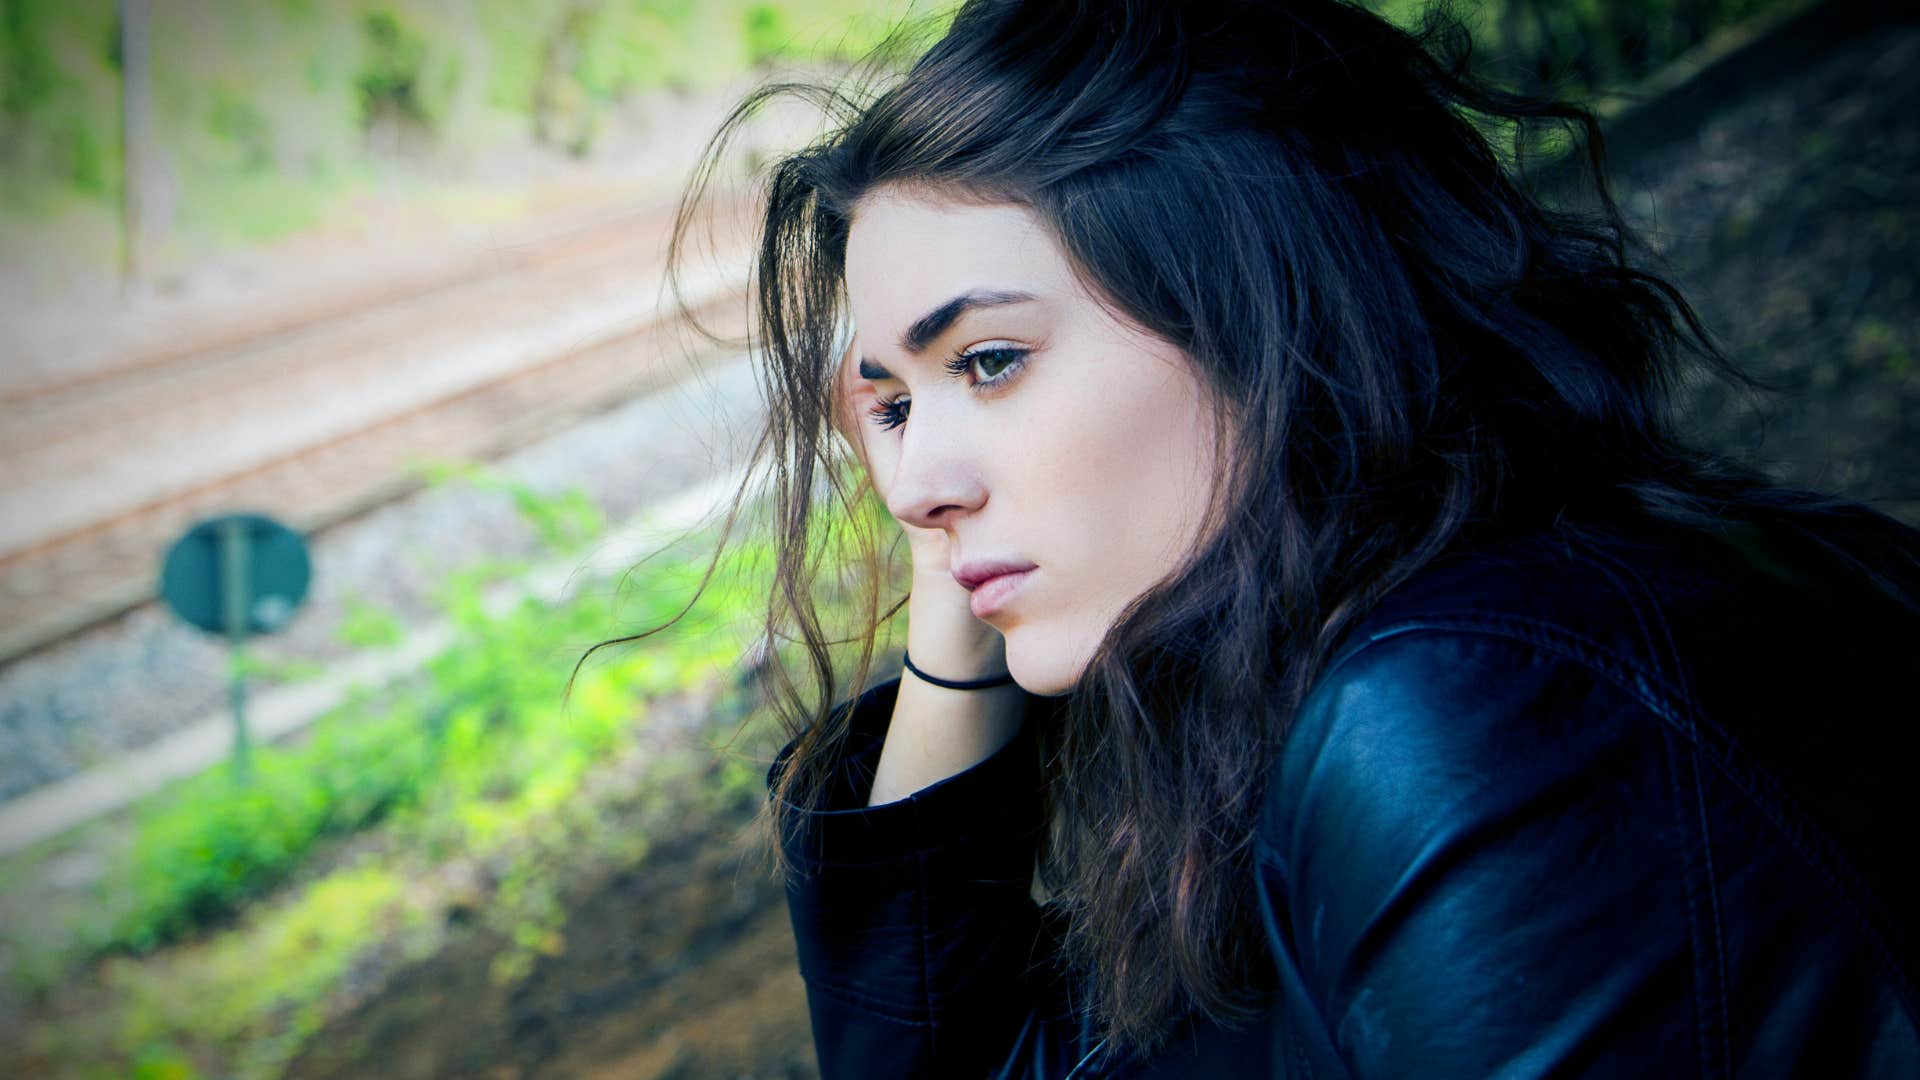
(1323, 658)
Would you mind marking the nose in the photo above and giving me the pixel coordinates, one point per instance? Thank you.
(936, 476)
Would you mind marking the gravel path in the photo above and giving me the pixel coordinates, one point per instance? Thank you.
(124, 684)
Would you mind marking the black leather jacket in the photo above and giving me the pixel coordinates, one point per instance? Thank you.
(1639, 807)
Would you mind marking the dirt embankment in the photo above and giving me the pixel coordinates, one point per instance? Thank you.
(1791, 219)
(681, 964)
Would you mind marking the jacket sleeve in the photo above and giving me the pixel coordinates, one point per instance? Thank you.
(1486, 859)
(920, 944)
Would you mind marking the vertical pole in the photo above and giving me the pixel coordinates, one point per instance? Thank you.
(136, 138)
(236, 598)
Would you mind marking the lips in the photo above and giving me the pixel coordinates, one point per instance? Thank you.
(974, 574)
(994, 594)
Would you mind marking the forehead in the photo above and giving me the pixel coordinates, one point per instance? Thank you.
(908, 251)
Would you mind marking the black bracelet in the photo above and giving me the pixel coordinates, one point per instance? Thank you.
(970, 684)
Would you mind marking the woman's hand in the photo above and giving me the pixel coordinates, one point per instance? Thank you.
(942, 633)
(935, 731)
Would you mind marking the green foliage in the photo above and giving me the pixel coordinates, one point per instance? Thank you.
(261, 989)
(1581, 48)
(235, 118)
(476, 750)
(160, 1062)
(238, 917)
(252, 665)
(215, 844)
(263, 112)
(27, 75)
(768, 33)
(1877, 344)
(562, 522)
(391, 83)
(59, 107)
(365, 625)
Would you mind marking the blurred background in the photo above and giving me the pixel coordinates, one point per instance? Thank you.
(389, 275)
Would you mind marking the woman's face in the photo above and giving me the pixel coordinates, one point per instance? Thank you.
(1070, 440)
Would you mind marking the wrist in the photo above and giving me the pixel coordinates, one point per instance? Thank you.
(988, 682)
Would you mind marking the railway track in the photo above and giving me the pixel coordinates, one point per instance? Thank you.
(320, 422)
(73, 363)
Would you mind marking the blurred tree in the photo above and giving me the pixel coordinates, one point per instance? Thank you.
(563, 115)
(1588, 47)
(390, 86)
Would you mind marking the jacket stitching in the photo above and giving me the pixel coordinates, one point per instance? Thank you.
(1270, 917)
(877, 1007)
(1713, 1012)
(1765, 794)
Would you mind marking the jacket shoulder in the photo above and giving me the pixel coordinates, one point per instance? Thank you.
(1538, 763)
(1585, 591)
(1598, 575)
(1764, 653)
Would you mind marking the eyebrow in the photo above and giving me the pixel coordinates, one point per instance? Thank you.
(928, 328)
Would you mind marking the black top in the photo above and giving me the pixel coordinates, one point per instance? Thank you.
(1635, 807)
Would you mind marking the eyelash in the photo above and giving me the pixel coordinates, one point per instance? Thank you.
(890, 413)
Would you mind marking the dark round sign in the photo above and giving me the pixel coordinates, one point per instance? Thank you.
(247, 568)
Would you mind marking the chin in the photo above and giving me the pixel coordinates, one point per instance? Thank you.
(1039, 670)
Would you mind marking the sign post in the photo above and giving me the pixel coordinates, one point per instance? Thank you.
(234, 576)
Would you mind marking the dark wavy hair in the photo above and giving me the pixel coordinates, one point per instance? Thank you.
(1415, 351)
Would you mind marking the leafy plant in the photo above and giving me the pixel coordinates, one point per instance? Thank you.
(367, 625)
(391, 84)
(238, 918)
(482, 744)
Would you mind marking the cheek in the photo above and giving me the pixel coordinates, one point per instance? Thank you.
(1167, 487)
(1121, 474)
